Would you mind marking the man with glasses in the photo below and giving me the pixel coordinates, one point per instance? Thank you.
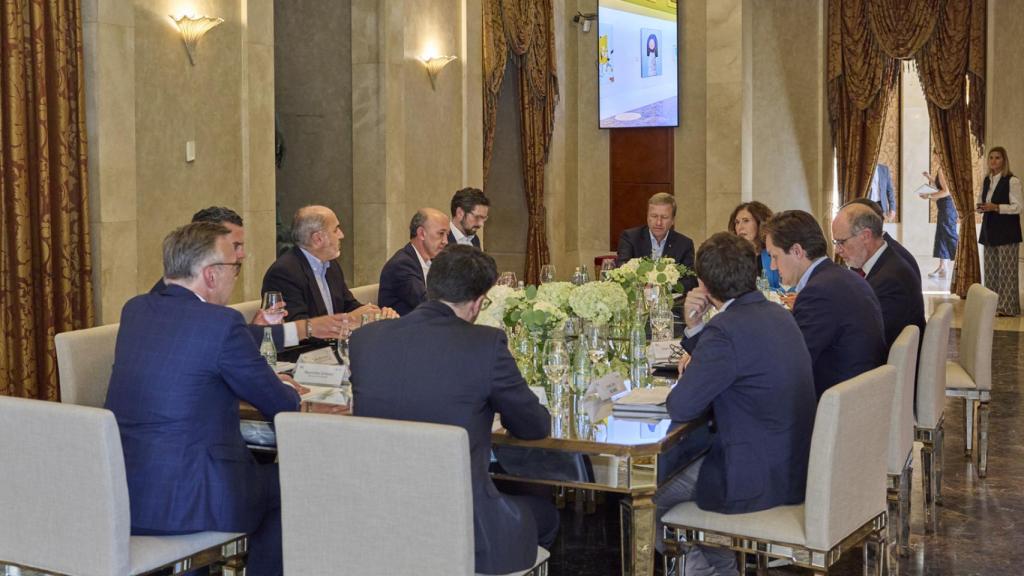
(469, 214)
(835, 309)
(858, 238)
(182, 362)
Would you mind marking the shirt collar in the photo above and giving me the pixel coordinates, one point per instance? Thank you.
(425, 264)
(807, 273)
(726, 305)
(319, 266)
(460, 238)
(654, 241)
(874, 258)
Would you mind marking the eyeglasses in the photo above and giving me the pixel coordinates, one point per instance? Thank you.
(237, 265)
(485, 304)
(837, 242)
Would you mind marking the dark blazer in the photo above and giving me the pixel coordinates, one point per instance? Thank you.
(899, 294)
(181, 366)
(475, 240)
(841, 320)
(402, 286)
(886, 194)
(636, 243)
(276, 331)
(998, 229)
(904, 254)
(452, 372)
(751, 367)
(292, 276)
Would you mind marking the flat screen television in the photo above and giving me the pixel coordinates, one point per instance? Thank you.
(638, 64)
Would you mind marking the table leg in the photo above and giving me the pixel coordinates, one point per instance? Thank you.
(638, 535)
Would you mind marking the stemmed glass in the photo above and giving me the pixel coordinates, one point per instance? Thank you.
(652, 295)
(661, 323)
(556, 368)
(508, 279)
(273, 307)
(596, 345)
(547, 273)
(606, 267)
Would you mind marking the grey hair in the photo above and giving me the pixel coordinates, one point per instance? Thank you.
(190, 247)
(418, 220)
(308, 220)
(864, 218)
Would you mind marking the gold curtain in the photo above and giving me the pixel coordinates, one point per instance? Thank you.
(45, 262)
(524, 31)
(946, 38)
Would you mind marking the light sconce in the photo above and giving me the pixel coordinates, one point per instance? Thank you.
(585, 19)
(193, 28)
(434, 65)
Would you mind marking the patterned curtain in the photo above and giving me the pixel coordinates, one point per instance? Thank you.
(45, 262)
(524, 31)
(946, 38)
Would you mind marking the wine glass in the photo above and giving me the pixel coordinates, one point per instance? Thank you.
(273, 307)
(507, 279)
(596, 343)
(547, 273)
(652, 295)
(606, 267)
(661, 323)
(556, 368)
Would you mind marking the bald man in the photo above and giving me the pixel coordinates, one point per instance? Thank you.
(403, 280)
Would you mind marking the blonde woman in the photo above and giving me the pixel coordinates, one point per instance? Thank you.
(1000, 230)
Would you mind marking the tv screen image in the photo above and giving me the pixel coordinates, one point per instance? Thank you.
(638, 64)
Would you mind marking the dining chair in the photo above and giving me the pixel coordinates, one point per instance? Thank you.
(930, 408)
(970, 377)
(845, 502)
(903, 357)
(373, 496)
(85, 359)
(248, 309)
(64, 497)
(367, 294)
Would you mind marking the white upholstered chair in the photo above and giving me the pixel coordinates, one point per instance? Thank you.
(846, 488)
(903, 357)
(85, 359)
(376, 497)
(930, 407)
(249, 308)
(367, 294)
(970, 378)
(64, 499)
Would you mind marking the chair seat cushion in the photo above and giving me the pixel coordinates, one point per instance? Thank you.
(957, 378)
(783, 524)
(542, 557)
(149, 552)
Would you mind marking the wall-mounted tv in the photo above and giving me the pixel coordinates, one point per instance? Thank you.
(638, 64)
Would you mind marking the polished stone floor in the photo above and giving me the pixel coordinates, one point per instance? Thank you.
(980, 528)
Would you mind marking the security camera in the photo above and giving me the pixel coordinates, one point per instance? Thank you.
(586, 19)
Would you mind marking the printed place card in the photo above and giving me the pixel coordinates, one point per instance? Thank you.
(319, 356)
(322, 374)
(607, 386)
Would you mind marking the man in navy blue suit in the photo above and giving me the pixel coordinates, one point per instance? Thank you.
(470, 210)
(835, 308)
(658, 238)
(451, 371)
(750, 367)
(858, 238)
(893, 244)
(182, 363)
(403, 279)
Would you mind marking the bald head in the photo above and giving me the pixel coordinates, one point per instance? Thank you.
(857, 234)
(428, 232)
(316, 228)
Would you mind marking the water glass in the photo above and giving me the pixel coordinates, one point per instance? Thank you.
(507, 279)
(556, 369)
(661, 323)
(596, 343)
(547, 273)
(652, 296)
(606, 267)
(273, 307)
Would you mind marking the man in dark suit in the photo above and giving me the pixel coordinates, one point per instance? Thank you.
(403, 279)
(451, 371)
(836, 309)
(308, 276)
(658, 238)
(857, 231)
(469, 214)
(286, 334)
(182, 363)
(750, 367)
(893, 244)
(882, 192)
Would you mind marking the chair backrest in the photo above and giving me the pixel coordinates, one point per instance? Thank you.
(846, 475)
(931, 370)
(63, 493)
(248, 309)
(374, 496)
(366, 294)
(903, 357)
(976, 335)
(85, 359)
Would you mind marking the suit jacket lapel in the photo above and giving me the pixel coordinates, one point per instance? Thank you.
(335, 283)
(645, 242)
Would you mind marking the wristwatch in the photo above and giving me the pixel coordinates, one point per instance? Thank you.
(309, 328)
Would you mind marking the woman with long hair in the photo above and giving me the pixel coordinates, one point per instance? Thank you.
(946, 236)
(1000, 230)
(745, 222)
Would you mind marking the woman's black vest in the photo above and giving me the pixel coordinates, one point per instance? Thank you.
(999, 229)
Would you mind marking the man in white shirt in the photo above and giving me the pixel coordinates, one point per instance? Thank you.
(469, 214)
(403, 280)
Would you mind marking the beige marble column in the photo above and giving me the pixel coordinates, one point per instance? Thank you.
(109, 56)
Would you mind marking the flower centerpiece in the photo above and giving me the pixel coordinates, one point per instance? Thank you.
(598, 302)
(638, 272)
(494, 314)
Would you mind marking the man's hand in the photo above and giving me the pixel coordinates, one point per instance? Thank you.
(370, 309)
(260, 320)
(788, 300)
(684, 361)
(696, 303)
(331, 326)
(388, 314)
(291, 382)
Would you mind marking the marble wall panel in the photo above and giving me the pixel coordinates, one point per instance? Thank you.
(691, 138)
(115, 268)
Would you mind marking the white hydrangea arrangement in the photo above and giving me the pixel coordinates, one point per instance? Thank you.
(500, 297)
(556, 293)
(663, 272)
(597, 302)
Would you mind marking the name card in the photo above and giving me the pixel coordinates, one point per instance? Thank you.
(323, 374)
(661, 350)
(607, 386)
(319, 356)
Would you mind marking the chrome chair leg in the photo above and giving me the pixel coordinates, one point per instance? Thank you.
(940, 440)
(983, 410)
(875, 554)
(968, 426)
(928, 483)
(904, 542)
(894, 509)
(762, 564)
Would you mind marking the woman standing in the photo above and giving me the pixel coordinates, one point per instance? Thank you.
(946, 237)
(1000, 230)
(745, 222)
